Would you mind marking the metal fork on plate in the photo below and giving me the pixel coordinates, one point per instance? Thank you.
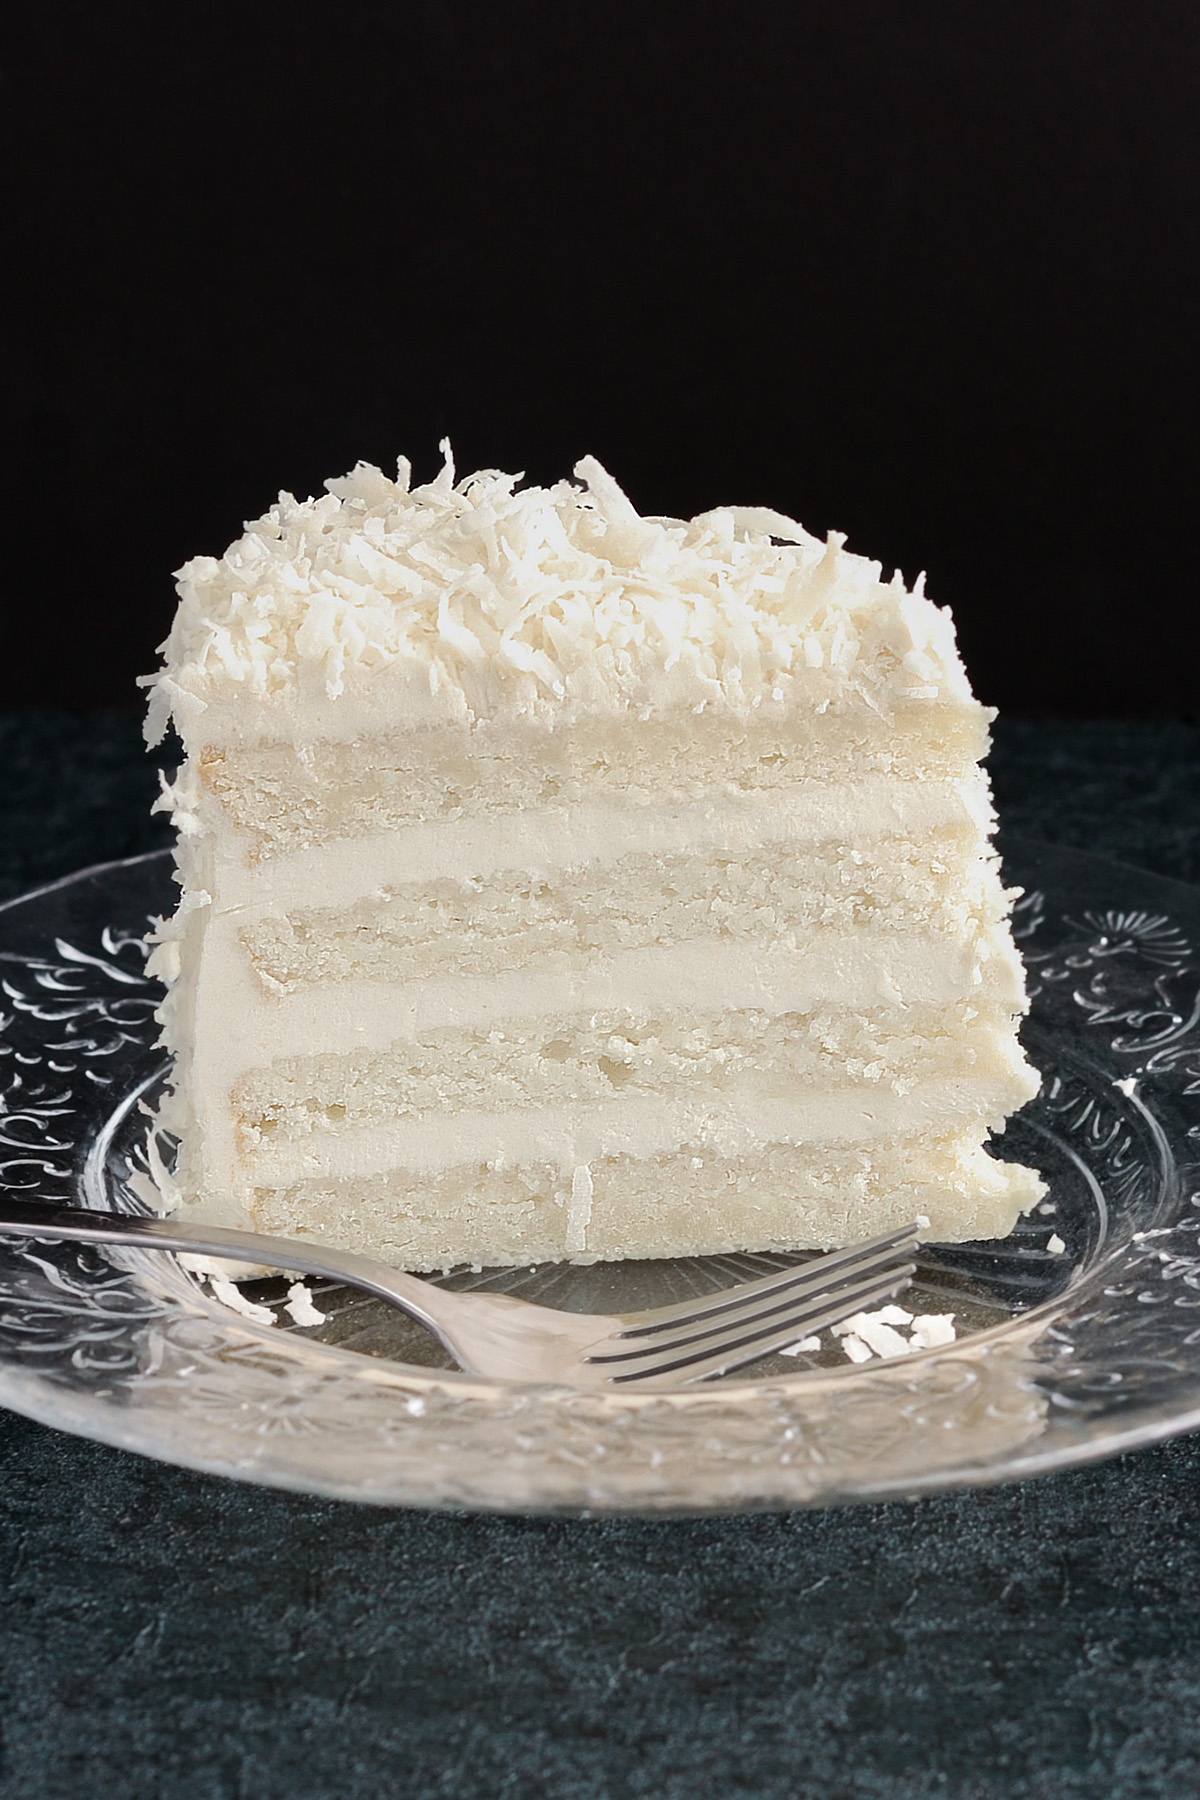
(507, 1339)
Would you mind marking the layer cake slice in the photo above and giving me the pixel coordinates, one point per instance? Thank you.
(563, 883)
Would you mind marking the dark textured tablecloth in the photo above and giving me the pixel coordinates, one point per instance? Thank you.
(178, 1637)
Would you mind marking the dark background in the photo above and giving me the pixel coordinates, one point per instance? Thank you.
(925, 272)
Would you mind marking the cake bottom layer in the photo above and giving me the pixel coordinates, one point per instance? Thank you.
(689, 1202)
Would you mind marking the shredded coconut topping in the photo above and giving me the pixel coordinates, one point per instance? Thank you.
(483, 598)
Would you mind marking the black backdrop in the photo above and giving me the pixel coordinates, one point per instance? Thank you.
(923, 270)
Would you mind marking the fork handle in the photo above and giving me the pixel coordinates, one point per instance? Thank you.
(23, 1219)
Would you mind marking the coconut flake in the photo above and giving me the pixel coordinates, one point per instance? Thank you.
(874, 1330)
(579, 1209)
(300, 1306)
(232, 1296)
(892, 1315)
(930, 1330)
(874, 1333)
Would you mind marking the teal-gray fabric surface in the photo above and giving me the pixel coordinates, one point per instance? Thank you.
(175, 1637)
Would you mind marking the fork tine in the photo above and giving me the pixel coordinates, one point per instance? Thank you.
(756, 1302)
(818, 1273)
(719, 1357)
(761, 1309)
(740, 1327)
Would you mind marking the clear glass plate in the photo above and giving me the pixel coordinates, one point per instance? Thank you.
(1061, 1358)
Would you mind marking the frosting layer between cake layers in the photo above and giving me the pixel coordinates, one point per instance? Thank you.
(563, 966)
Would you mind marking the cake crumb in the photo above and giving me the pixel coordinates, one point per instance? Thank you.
(806, 1347)
(1055, 1245)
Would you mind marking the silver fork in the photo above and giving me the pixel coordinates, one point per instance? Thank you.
(498, 1336)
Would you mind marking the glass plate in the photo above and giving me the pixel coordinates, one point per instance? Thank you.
(1061, 1357)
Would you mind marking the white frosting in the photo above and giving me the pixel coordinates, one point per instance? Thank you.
(546, 839)
(455, 602)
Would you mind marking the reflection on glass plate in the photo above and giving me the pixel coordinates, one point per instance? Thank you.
(1063, 1355)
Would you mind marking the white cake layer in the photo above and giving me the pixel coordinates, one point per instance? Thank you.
(512, 920)
(592, 1058)
(691, 1201)
(547, 838)
(297, 796)
(641, 1125)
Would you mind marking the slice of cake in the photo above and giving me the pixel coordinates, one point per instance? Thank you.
(558, 882)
